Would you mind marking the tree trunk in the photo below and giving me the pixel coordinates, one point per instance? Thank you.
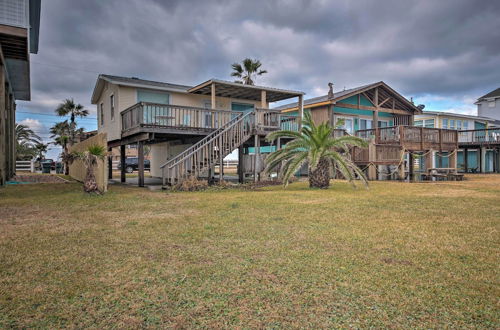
(320, 176)
(90, 184)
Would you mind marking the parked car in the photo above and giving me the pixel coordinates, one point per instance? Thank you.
(48, 160)
(132, 164)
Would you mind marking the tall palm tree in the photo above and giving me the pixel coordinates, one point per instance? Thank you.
(89, 157)
(61, 134)
(248, 71)
(315, 145)
(74, 110)
(41, 149)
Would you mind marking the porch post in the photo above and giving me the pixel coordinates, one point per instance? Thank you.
(257, 156)
(221, 159)
(482, 162)
(213, 96)
(453, 160)
(240, 164)
(122, 163)
(301, 110)
(140, 152)
(375, 116)
(263, 99)
(466, 160)
(411, 165)
(110, 163)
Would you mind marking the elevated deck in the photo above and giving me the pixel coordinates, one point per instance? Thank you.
(165, 121)
(412, 138)
(488, 137)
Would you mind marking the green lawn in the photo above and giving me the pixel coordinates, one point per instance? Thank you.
(396, 255)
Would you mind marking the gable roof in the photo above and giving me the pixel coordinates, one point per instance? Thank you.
(452, 114)
(338, 96)
(493, 94)
(135, 82)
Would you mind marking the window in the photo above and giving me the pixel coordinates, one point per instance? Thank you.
(348, 124)
(418, 123)
(452, 124)
(382, 124)
(365, 124)
(112, 105)
(491, 104)
(445, 123)
(459, 124)
(465, 125)
(102, 114)
(429, 123)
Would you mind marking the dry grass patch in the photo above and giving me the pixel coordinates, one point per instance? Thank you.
(396, 255)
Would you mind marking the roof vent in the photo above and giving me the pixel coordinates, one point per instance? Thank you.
(135, 78)
(330, 91)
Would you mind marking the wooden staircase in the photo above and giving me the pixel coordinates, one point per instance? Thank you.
(211, 150)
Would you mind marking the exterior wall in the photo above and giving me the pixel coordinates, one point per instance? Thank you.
(161, 152)
(484, 109)
(7, 129)
(320, 114)
(77, 169)
(439, 121)
(127, 96)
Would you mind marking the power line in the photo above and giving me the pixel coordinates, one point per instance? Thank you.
(65, 67)
(48, 114)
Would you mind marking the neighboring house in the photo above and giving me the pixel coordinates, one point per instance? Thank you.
(222, 116)
(489, 105)
(482, 148)
(448, 120)
(19, 26)
(376, 112)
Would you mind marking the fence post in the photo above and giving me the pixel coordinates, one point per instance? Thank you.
(32, 166)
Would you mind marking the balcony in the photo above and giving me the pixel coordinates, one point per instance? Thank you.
(176, 119)
(479, 137)
(412, 138)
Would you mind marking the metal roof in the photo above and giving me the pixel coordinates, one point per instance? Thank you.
(452, 114)
(240, 91)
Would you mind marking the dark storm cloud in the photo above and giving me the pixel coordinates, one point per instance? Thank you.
(444, 49)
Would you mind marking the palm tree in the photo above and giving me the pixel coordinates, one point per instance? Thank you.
(61, 134)
(41, 149)
(248, 71)
(26, 140)
(69, 107)
(315, 145)
(89, 157)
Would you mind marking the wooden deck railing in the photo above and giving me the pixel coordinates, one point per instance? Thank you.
(479, 136)
(415, 137)
(145, 114)
(151, 115)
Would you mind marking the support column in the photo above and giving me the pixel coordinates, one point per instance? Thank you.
(401, 168)
(240, 165)
(214, 105)
(263, 99)
(466, 160)
(411, 167)
(452, 159)
(122, 163)
(498, 160)
(301, 110)
(372, 169)
(482, 163)
(428, 160)
(221, 160)
(110, 163)
(375, 116)
(140, 158)
(256, 158)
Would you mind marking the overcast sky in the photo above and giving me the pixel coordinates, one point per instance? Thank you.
(444, 54)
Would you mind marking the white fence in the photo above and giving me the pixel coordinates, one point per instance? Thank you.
(25, 166)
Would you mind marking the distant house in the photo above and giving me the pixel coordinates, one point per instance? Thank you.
(489, 105)
(19, 26)
(482, 153)
(448, 120)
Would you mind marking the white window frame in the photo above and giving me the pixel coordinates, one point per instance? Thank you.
(445, 123)
(491, 104)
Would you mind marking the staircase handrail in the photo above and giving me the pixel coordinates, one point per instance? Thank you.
(205, 139)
